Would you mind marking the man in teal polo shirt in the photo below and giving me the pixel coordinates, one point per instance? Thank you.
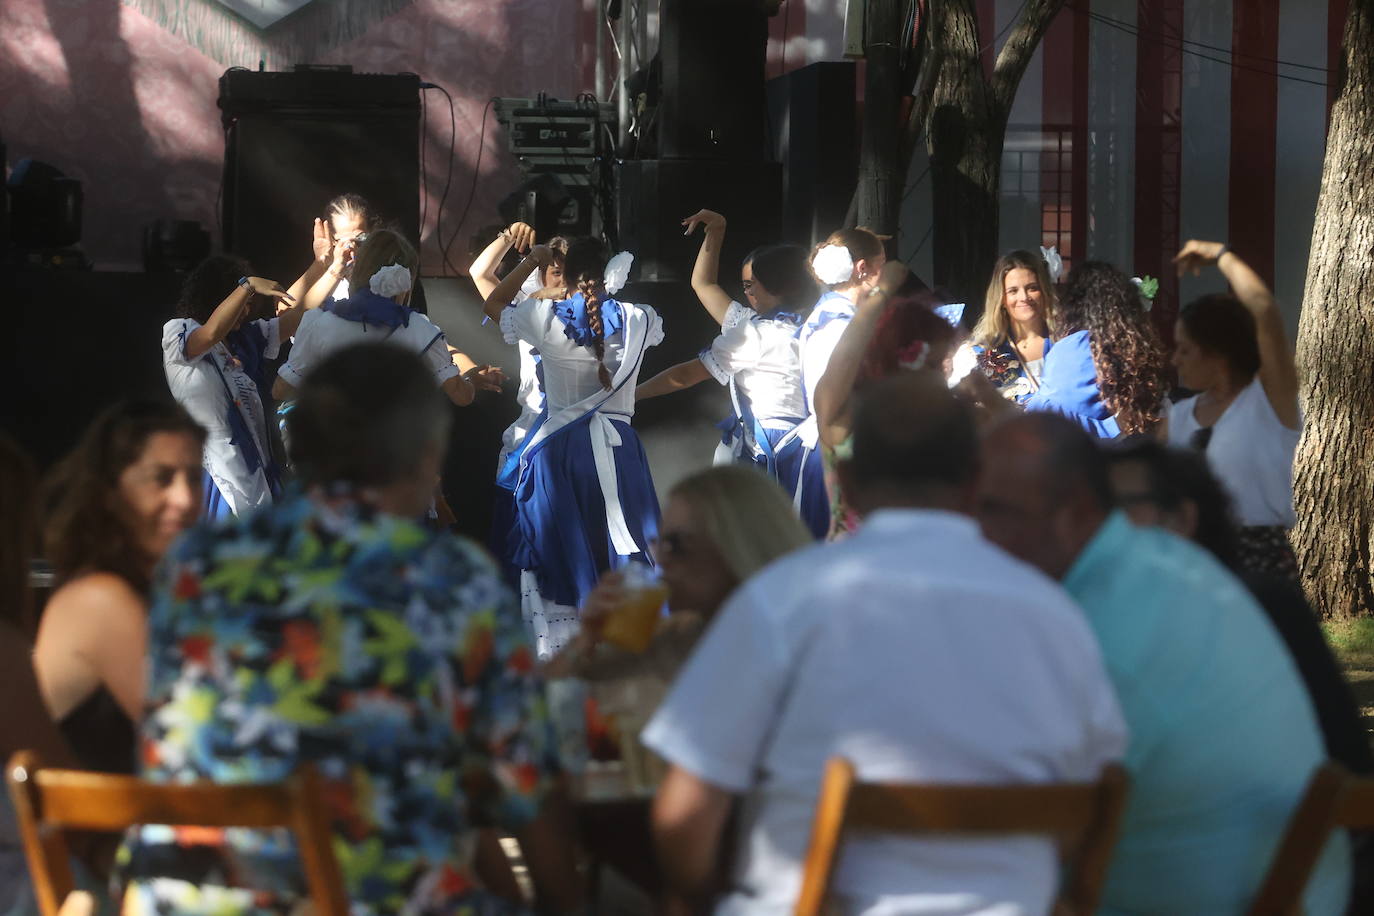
(1223, 737)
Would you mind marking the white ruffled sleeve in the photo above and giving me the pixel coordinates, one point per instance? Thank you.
(655, 336)
(736, 313)
(736, 347)
(522, 321)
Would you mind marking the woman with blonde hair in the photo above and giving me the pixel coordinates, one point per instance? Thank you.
(720, 527)
(1013, 336)
(377, 310)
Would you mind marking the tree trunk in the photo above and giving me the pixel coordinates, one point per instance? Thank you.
(879, 190)
(1333, 474)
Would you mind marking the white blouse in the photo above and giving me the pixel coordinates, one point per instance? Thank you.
(321, 333)
(1250, 451)
(204, 385)
(570, 369)
(762, 357)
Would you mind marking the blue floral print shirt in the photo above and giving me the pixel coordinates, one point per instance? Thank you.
(389, 656)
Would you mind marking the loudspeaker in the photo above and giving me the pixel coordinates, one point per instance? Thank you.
(819, 153)
(653, 196)
(283, 164)
(714, 59)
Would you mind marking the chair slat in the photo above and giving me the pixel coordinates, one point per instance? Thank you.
(49, 802)
(1085, 817)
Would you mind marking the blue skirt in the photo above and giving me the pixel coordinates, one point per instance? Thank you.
(564, 537)
(213, 504)
(504, 539)
(795, 468)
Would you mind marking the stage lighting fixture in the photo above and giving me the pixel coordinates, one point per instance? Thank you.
(539, 201)
(45, 206)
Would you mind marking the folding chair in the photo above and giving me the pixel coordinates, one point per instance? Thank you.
(1334, 798)
(48, 802)
(1085, 817)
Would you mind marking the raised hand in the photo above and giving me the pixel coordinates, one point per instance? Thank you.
(1196, 255)
(265, 287)
(323, 241)
(520, 236)
(710, 219)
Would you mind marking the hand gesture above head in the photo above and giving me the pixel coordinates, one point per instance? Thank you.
(520, 236)
(265, 287)
(323, 242)
(710, 219)
(1196, 255)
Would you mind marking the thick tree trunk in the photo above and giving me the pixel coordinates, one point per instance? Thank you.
(879, 190)
(1333, 475)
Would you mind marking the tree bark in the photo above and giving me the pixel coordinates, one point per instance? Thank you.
(880, 177)
(965, 128)
(1333, 473)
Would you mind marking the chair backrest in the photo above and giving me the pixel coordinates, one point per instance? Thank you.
(1085, 817)
(1334, 798)
(48, 802)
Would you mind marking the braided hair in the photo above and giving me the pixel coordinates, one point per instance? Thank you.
(1126, 350)
(584, 267)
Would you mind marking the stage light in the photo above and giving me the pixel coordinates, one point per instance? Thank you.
(174, 245)
(45, 206)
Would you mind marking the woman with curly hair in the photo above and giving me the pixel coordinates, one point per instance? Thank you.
(132, 485)
(1013, 336)
(584, 499)
(1106, 370)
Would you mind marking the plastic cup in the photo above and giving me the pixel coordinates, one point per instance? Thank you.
(632, 625)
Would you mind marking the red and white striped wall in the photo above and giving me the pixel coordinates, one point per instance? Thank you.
(1142, 123)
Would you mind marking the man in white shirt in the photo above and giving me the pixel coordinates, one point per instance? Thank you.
(917, 650)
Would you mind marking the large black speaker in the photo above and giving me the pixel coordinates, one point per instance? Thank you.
(293, 141)
(815, 139)
(653, 196)
(714, 58)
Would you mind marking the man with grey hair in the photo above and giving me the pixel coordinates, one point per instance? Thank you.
(1223, 735)
(915, 649)
(333, 629)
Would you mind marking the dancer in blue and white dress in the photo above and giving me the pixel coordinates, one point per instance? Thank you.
(585, 501)
(544, 283)
(757, 356)
(846, 265)
(215, 360)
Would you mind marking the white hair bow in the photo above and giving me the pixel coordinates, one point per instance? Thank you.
(617, 272)
(391, 280)
(1053, 261)
(833, 264)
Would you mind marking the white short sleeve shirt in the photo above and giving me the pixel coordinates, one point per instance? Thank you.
(762, 357)
(923, 654)
(321, 333)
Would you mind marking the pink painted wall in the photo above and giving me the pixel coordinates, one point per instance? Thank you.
(110, 97)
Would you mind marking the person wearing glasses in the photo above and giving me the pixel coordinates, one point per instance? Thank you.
(756, 355)
(1232, 351)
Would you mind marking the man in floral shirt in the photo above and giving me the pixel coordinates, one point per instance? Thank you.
(333, 628)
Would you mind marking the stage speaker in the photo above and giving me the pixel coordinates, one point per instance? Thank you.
(653, 196)
(819, 152)
(714, 59)
(293, 141)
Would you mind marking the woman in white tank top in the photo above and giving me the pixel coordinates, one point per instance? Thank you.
(1232, 350)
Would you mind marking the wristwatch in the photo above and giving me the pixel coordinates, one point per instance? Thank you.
(243, 281)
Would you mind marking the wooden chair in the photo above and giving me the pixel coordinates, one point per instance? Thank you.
(1334, 798)
(1084, 816)
(48, 802)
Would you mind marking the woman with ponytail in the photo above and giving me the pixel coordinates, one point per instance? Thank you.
(585, 502)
